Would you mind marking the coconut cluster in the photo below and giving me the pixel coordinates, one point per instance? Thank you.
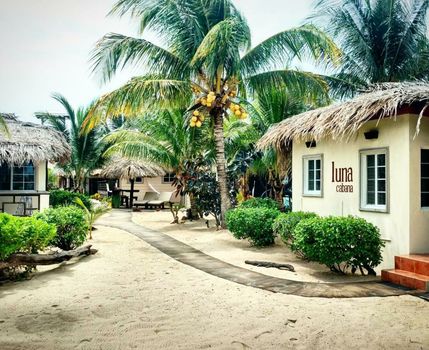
(197, 119)
(208, 100)
(238, 111)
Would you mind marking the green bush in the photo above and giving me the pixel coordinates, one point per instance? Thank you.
(23, 235)
(60, 198)
(71, 223)
(340, 243)
(255, 224)
(285, 224)
(259, 203)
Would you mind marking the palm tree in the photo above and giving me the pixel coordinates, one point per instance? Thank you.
(269, 107)
(381, 40)
(204, 63)
(163, 139)
(87, 148)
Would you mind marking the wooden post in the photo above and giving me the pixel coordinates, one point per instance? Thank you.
(132, 194)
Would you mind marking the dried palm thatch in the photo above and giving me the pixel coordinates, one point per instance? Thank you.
(31, 142)
(124, 168)
(340, 121)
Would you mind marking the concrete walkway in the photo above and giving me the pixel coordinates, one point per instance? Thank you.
(188, 255)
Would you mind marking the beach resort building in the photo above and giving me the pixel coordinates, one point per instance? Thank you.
(367, 157)
(24, 155)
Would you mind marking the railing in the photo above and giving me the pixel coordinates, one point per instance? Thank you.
(21, 203)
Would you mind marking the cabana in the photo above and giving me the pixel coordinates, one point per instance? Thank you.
(24, 157)
(126, 169)
(367, 157)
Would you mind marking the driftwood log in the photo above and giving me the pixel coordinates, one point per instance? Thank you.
(287, 267)
(20, 259)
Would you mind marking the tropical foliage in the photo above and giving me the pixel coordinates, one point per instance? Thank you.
(71, 225)
(381, 40)
(204, 64)
(87, 148)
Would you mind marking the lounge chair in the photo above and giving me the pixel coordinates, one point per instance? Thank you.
(164, 197)
(148, 196)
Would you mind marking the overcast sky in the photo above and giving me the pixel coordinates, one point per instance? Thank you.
(45, 47)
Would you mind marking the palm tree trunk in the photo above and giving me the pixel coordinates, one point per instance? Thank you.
(225, 203)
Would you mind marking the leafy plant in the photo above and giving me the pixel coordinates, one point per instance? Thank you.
(93, 213)
(60, 198)
(23, 235)
(260, 203)
(255, 224)
(71, 224)
(285, 224)
(340, 243)
(204, 189)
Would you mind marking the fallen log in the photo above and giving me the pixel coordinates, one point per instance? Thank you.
(268, 264)
(20, 259)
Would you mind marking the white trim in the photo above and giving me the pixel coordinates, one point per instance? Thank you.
(363, 183)
(305, 161)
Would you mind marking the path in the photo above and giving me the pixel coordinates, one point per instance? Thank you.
(197, 259)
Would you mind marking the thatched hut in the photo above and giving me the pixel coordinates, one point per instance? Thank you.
(24, 155)
(369, 157)
(127, 170)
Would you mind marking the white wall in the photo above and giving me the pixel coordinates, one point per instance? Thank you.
(395, 224)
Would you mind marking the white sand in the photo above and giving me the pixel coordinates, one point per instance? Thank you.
(222, 245)
(131, 296)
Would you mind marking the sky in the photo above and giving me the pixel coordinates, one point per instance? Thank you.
(46, 45)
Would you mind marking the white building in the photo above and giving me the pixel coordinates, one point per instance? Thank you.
(24, 154)
(367, 157)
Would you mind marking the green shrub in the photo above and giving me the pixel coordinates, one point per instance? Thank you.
(259, 203)
(71, 223)
(60, 198)
(255, 224)
(285, 224)
(23, 235)
(340, 243)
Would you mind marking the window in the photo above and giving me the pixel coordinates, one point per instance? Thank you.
(374, 180)
(5, 177)
(424, 178)
(17, 178)
(169, 178)
(313, 175)
(139, 180)
(23, 177)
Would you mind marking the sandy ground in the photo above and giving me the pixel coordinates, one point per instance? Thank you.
(222, 245)
(131, 296)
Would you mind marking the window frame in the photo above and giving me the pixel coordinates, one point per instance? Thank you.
(363, 206)
(12, 182)
(305, 191)
(171, 176)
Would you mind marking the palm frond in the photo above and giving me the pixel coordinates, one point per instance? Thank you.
(221, 46)
(139, 95)
(280, 49)
(115, 51)
(311, 87)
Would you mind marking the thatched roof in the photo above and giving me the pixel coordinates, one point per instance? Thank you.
(341, 120)
(29, 141)
(124, 168)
